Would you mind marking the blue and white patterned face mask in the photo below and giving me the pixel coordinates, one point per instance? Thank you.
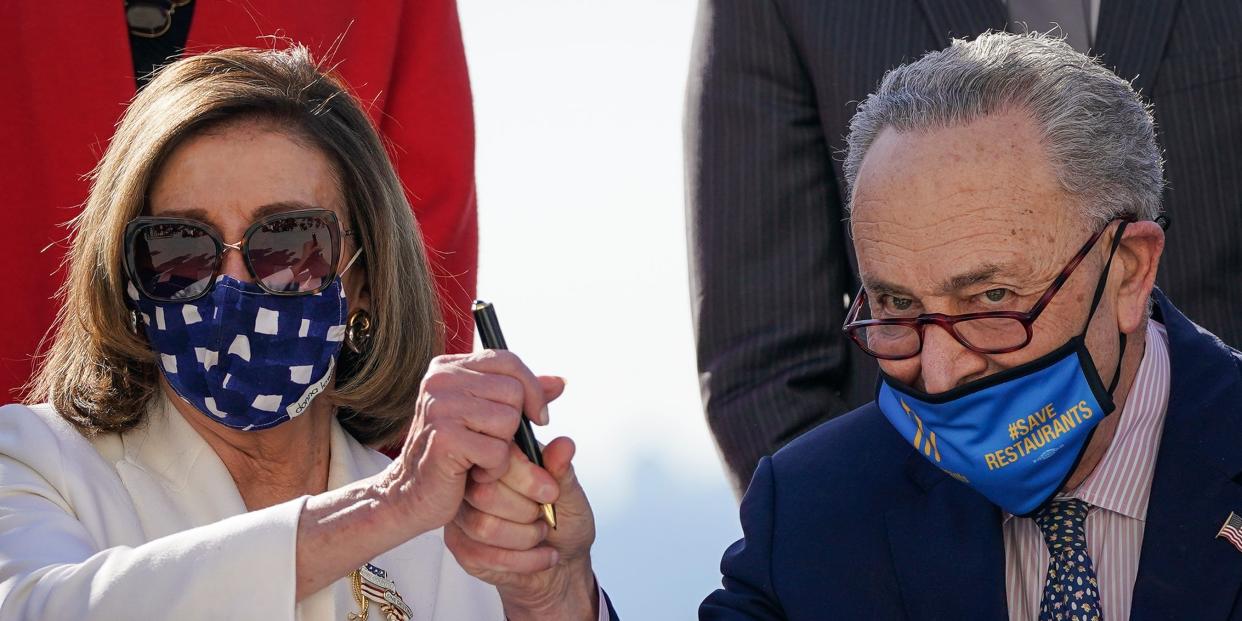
(245, 358)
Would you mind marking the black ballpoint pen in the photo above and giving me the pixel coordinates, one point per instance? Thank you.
(492, 338)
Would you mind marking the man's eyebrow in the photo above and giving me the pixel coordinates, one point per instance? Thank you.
(961, 281)
(880, 287)
(953, 284)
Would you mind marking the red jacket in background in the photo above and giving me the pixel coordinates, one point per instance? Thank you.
(68, 75)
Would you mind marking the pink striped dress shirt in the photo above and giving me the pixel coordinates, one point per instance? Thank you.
(1118, 492)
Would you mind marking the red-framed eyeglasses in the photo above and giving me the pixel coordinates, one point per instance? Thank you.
(993, 332)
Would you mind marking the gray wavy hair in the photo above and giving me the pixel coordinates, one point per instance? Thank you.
(1098, 133)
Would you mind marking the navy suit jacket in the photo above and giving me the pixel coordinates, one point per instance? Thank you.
(849, 522)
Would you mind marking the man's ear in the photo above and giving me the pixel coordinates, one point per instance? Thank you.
(1135, 266)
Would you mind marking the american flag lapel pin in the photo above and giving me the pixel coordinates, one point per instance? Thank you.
(370, 583)
(1231, 531)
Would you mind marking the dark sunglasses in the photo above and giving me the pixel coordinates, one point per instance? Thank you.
(179, 259)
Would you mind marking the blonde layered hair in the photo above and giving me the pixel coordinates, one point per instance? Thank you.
(101, 376)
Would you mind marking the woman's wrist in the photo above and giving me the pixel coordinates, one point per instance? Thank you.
(396, 504)
(341, 529)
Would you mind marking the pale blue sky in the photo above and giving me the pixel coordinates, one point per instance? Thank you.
(578, 106)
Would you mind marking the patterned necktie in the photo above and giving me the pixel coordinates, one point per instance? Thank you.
(1072, 592)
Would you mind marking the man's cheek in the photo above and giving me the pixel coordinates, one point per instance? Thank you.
(905, 371)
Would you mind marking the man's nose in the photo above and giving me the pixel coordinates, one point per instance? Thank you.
(946, 363)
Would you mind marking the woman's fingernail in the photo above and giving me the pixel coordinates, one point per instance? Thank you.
(544, 416)
(556, 558)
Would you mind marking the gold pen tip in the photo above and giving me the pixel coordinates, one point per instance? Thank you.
(549, 515)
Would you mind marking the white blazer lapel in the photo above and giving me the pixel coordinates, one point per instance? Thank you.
(175, 479)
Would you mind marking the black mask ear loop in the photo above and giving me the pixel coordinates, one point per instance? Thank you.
(1095, 301)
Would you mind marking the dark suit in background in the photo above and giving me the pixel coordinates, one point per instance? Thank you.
(773, 85)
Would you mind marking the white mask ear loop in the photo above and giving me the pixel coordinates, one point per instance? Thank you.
(351, 262)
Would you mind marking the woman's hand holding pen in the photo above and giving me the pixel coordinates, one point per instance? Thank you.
(500, 536)
(467, 412)
(459, 468)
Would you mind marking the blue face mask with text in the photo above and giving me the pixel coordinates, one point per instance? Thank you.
(245, 358)
(1016, 436)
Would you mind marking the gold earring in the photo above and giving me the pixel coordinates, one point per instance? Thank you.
(135, 323)
(358, 331)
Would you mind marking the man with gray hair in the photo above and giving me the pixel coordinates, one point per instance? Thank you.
(1051, 438)
(772, 87)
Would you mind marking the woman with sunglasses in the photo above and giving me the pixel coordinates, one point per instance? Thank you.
(247, 308)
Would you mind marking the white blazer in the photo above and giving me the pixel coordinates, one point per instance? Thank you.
(148, 524)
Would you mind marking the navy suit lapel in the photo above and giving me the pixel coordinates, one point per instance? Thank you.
(947, 549)
(1185, 572)
(962, 18)
(1131, 36)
